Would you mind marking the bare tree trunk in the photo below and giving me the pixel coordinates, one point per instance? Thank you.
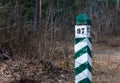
(40, 13)
(18, 19)
(17, 14)
(52, 16)
(36, 16)
(117, 5)
(107, 3)
(52, 22)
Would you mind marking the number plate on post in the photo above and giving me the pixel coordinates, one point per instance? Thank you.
(82, 31)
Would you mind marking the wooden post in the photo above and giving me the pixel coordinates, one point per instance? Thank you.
(83, 50)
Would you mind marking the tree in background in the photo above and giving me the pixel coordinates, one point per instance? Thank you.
(58, 15)
(17, 14)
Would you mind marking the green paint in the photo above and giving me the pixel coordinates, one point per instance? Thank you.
(81, 52)
(82, 67)
(85, 49)
(77, 40)
(89, 51)
(83, 19)
(85, 81)
(90, 40)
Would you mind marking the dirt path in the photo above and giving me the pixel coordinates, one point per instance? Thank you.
(106, 64)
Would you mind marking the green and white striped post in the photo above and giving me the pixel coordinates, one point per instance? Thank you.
(83, 50)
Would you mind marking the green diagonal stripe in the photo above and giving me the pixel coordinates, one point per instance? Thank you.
(89, 51)
(90, 39)
(85, 49)
(77, 40)
(81, 52)
(86, 80)
(82, 67)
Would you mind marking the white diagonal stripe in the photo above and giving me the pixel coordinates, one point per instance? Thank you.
(80, 45)
(89, 44)
(85, 74)
(82, 59)
(89, 60)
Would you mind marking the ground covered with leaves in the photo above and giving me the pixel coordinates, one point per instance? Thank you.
(24, 71)
(106, 68)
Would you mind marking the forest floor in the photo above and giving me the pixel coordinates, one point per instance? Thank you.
(106, 69)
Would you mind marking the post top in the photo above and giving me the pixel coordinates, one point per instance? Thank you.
(83, 19)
